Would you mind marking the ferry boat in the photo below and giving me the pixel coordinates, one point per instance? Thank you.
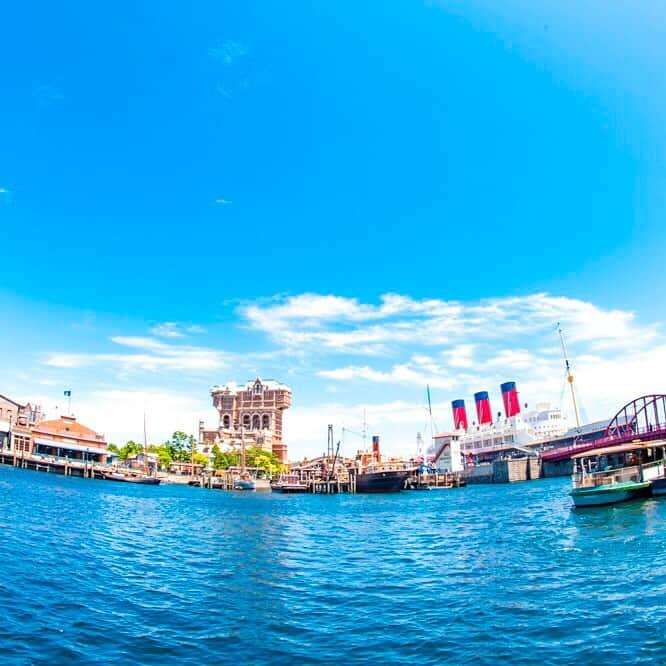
(131, 478)
(614, 474)
(658, 485)
(244, 482)
(289, 483)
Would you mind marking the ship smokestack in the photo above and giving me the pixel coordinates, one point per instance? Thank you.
(510, 398)
(375, 448)
(459, 415)
(483, 412)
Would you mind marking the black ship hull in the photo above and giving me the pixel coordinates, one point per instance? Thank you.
(390, 481)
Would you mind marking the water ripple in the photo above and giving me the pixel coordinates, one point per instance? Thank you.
(104, 573)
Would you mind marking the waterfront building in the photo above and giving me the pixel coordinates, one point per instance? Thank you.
(185, 468)
(143, 462)
(251, 414)
(9, 409)
(65, 437)
(15, 422)
(447, 456)
(8, 412)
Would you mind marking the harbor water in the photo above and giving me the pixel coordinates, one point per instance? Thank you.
(107, 572)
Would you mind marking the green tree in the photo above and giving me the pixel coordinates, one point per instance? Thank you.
(224, 459)
(163, 455)
(180, 446)
(265, 460)
(201, 459)
(130, 449)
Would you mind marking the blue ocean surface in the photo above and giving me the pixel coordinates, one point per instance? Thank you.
(98, 572)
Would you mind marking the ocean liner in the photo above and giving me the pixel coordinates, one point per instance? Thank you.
(515, 430)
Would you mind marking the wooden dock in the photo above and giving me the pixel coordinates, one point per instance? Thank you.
(441, 481)
(49, 464)
(84, 469)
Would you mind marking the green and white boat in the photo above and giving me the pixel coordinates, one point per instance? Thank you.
(615, 474)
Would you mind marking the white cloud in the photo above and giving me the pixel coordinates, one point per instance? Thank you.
(156, 355)
(346, 325)
(167, 329)
(172, 329)
(416, 373)
(228, 51)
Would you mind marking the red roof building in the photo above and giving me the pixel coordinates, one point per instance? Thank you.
(67, 438)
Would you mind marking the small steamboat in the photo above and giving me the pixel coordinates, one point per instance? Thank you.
(376, 476)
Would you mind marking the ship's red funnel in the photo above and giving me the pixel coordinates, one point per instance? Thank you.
(510, 399)
(483, 412)
(459, 415)
(375, 448)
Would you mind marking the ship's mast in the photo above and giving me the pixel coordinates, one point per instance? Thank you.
(364, 431)
(570, 377)
(242, 451)
(433, 425)
(145, 446)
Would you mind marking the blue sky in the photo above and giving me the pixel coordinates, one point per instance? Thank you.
(266, 179)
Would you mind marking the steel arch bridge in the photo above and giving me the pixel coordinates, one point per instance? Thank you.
(643, 418)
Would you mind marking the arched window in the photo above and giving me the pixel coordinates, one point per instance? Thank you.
(257, 387)
(266, 422)
(246, 421)
(255, 422)
(226, 421)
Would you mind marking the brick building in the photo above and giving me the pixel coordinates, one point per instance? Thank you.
(252, 413)
(66, 438)
(15, 422)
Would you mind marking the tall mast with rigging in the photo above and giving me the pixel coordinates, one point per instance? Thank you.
(145, 447)
(570, 377)
(242, 451)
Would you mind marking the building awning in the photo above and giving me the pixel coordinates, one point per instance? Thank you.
(68, 446)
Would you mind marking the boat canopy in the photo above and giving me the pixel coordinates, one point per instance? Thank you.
(620, 448)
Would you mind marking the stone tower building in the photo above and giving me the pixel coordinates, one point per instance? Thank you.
(251, 412)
